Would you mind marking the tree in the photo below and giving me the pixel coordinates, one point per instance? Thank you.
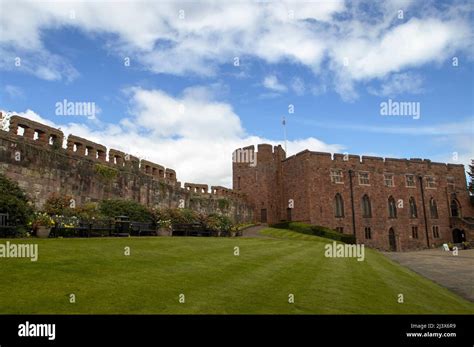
(14, 202)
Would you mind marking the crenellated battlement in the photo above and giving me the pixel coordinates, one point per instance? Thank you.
(41, 134)
(345, 158)
(47, 137)
(196, 188)
(83, 147)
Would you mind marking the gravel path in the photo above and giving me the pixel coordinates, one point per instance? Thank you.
(453, 272)
(254, 231)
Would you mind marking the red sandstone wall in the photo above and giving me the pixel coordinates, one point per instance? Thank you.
(305, 178)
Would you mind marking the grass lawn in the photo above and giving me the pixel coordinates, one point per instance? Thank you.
(212, 278)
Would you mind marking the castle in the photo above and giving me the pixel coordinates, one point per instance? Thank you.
(388, 204)
(32, 155)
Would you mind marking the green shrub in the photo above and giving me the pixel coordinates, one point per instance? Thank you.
(88, 212)
(223, 204)
(14, 202)
(58, 204)
(135, 211)
(316, 230)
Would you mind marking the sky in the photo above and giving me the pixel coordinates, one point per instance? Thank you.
(184, 84)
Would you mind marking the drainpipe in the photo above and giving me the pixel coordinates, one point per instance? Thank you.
(420, 178)
(352, 203)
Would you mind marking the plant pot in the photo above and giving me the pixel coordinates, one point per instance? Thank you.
(43, 232)
(164, 232)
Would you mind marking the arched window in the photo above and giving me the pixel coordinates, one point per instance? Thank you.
(455, 210)
(366, 209)
(338, 206)
(433, 208)
(392, 208)
(413, 211)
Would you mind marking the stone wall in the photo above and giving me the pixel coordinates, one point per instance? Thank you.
(37, 161)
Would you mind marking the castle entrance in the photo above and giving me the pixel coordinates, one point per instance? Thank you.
(458, 236)
(392, 240)
(263, 215)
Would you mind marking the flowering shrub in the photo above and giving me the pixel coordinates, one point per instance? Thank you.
(66, 222)
(41, 219)
(58, 204)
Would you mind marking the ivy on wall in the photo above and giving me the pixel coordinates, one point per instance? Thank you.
(105, 172)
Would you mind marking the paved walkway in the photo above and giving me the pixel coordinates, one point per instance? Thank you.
(254, 231)
(453, 272)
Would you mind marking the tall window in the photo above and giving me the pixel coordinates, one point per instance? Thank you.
(392, 208)
(336, 176)
(368, 233)
(414, 232)
(364, 178)
(455, 209)
(388, 180)
(410, 180)
(435, 229)
(366, 208)
(433, 208)
(413, 211)
(338, 206)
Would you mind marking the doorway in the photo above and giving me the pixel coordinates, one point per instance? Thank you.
(458, 236)
(263, 215)
(392, 240)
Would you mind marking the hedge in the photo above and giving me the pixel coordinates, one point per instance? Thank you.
(316, 230)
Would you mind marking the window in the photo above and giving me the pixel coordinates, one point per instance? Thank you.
(392, 208)
(433, 208)
(455, 209)
(366, 208)
(414, 232)
(338, 206)
(340, 229)
(435, 229)
(388, 180)
(410, 180)
(336, 176)
(368, 233)
(364, 178)
(238, 182)
(430, 182)
(413, 211)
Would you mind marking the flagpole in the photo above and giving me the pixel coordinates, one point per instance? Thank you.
(284, 130)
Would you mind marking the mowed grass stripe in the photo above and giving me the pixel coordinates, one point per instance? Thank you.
(94, 277)
(213, 279)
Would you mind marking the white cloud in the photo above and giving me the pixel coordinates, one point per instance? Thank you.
(211, 34)
(14, 92)
(298, 86)
(271, 82)
(197, 143)
(399, 84)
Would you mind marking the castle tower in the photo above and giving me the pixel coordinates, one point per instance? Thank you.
(258, 176)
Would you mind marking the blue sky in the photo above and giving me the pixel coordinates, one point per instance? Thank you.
(183, 103)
